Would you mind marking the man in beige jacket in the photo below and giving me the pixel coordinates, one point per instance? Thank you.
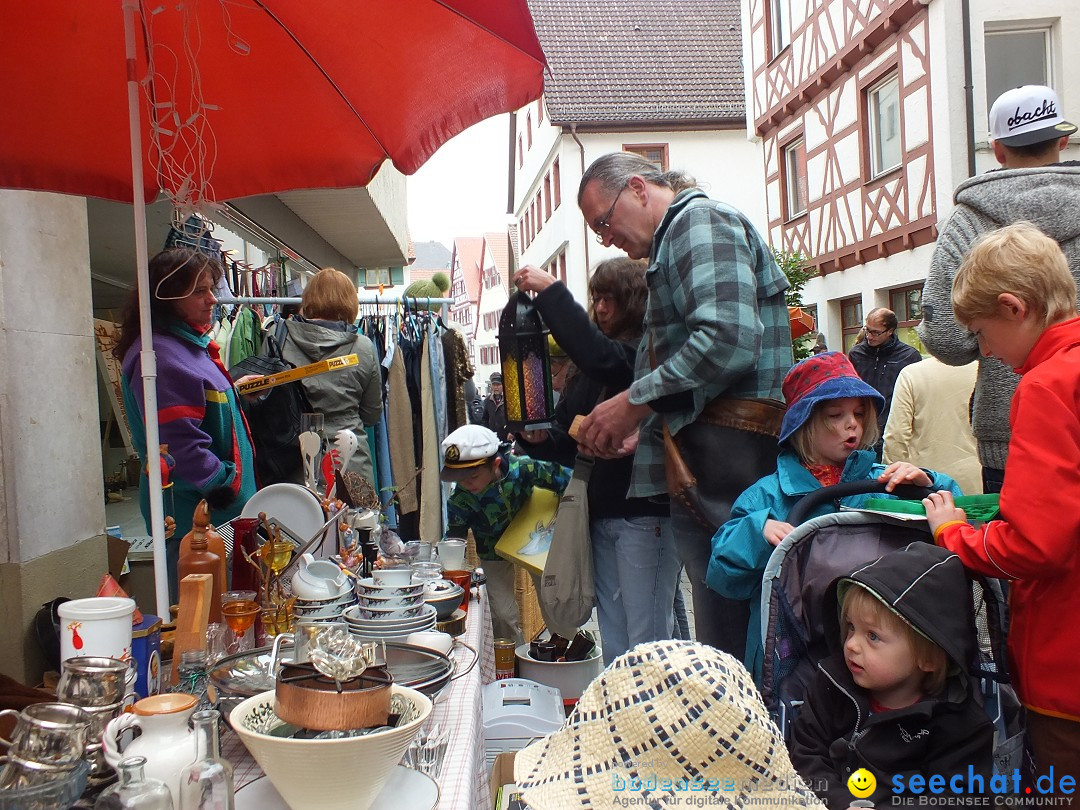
(930, 423)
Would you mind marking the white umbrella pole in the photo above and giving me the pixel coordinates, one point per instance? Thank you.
(147, 356)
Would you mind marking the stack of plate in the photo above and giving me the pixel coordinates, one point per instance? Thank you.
(327, 610)
(384, 628)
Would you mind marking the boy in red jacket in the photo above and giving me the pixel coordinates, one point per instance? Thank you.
(1015, 293)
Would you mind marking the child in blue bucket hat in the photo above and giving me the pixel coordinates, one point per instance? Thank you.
(825, 439)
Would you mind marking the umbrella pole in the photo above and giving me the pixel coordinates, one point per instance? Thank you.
(147, 356)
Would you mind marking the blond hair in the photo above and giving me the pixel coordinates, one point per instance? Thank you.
(330, 296)
(1021, 260)
(804, 438)
(929, 657)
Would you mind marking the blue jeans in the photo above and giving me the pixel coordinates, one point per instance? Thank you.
(635, 567)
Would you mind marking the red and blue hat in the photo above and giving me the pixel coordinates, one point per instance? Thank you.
(819, 378)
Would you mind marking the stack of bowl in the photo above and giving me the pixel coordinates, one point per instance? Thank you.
(389, 612)
(324, 610)
(100, 687)
(445, 596)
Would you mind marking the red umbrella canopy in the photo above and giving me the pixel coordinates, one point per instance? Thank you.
(251, 96)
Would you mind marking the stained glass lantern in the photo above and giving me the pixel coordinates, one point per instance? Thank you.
(526, 365)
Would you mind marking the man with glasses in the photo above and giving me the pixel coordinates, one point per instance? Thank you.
(716, 347)
(879, 358)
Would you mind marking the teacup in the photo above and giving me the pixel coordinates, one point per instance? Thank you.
(392, 576)
(48, 733)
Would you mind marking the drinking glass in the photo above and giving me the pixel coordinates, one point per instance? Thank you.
(239, 609)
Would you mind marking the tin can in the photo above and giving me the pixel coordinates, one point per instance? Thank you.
(146, 650)
(505, 658)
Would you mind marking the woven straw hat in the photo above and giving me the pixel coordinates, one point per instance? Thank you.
(668, 724)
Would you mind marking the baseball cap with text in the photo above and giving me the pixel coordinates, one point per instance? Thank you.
(1027, 115)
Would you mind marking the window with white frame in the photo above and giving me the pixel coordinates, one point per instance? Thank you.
(1016, 57)
(795, 191)
(779, 25)
(883, 114)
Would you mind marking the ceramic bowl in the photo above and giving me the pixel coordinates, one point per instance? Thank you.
(410, 612)
(368, 587)
(390, 601)
(342, 774)
(445, 601)
(392, 576)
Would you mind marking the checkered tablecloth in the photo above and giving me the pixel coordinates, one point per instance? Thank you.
(463, 783)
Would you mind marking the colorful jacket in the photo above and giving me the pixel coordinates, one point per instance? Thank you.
(740, 550)
(1049, 197)
(490, 512)
(1037, 541)
(717, 320)
(199, 418)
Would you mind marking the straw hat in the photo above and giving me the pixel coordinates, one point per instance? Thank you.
(668, 724)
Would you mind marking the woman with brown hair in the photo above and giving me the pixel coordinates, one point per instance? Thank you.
(349, 398)
(635, 565)
(198, 415)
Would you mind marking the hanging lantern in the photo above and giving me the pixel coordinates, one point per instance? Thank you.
(526, 365)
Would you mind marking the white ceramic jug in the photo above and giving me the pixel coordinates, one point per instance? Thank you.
(166, 741)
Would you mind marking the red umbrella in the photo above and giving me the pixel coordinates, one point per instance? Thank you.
(251, 96)
(220, 99)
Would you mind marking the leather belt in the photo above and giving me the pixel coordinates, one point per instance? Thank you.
(762, 416)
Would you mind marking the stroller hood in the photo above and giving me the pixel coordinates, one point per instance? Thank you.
(928, 587)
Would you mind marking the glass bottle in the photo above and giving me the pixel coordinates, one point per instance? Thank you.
(192, 678)
(207, 783)
(135, 790)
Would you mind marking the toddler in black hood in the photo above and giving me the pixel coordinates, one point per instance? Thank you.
(896, 697)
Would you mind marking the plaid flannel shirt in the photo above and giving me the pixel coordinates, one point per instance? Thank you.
(717, 319)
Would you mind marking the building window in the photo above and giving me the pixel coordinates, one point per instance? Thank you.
(795, 194)
(883, 113)
(547, 197)
(539, 210)
(1015, 58)
(779, 25)
(906, 302)
(521, 154)
(555, 182)
(851, 321)
(655, 153)
(540, 110)
(528, 130)
(385, 276)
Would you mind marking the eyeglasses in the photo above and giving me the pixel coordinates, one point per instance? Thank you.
(604, 222)
(877, 332)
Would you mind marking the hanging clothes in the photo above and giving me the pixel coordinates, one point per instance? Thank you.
(459, 368)
(400, 430)
(431, 500)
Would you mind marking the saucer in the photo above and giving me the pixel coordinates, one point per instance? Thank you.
(404, 788)
(294, 506)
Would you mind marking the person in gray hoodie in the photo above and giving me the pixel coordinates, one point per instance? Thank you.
(1028, 135)
(348, 398)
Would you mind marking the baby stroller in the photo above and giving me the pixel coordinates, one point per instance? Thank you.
(800, 571)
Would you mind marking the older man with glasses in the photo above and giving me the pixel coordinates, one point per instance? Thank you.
(879, 358)
(705, 408)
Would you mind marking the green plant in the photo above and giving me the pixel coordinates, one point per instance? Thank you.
(793, 265)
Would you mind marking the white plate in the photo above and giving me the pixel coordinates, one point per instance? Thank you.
(292, 505)
(405, 788)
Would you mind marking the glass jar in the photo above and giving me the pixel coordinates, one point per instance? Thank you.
(135, 790)
(192, 678)
(207, 783)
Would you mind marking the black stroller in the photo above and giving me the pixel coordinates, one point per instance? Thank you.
(793, 598)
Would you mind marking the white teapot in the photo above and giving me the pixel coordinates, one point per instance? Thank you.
(166, 741)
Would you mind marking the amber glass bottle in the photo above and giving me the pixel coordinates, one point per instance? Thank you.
(197, 558)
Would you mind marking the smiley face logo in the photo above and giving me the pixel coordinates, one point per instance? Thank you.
(861, 783)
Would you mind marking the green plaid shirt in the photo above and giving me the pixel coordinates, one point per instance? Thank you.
(489, 513)
(717, 318)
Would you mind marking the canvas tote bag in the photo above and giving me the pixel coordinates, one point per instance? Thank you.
(567, 592)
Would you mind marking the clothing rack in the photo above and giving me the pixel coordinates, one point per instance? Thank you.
(363, 299)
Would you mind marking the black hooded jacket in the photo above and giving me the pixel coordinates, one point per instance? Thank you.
(836, 733)
(879, 366)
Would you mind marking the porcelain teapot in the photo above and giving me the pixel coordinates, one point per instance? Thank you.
(318, 579)
(166, 741)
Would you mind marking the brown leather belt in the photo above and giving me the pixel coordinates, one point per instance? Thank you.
(762, 416)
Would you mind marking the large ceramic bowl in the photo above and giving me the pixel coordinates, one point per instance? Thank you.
(390, 601)
(445, 600)
(380, 613)
(369, 587)
(342, 774)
